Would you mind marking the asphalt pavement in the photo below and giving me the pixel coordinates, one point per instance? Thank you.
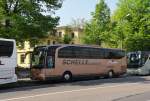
(116, 89)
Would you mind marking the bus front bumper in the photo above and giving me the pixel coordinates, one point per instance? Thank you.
(36, 74)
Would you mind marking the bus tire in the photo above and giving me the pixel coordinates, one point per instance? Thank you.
(111, 74)
(67, 76)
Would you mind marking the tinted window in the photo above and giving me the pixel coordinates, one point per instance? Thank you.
(81, 52)
(96, 53)
(114, 54)
(6, 48)
(52, 50)
(66, 52)
(38, 49)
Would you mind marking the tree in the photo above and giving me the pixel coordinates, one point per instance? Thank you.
(0, 11)
(137, 43)
(133, 20)
(78, 23)
(67, 37)
(27, 19)
(96, 31)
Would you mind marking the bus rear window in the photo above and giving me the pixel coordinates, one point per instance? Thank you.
(6, 48)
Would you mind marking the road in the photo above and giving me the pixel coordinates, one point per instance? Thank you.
(116, 89)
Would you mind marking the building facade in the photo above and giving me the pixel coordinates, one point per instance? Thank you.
(23, 58)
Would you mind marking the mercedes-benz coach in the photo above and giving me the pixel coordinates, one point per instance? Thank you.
(68, 61)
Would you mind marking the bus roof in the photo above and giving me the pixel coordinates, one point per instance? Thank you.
(139, 52)
(65, 45)
(7, 39)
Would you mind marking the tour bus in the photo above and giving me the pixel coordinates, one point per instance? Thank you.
(8, 57)
(68, 61)
(138, 63)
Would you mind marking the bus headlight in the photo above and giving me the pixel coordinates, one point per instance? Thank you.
(139, 70)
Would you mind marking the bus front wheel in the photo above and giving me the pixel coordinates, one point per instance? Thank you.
(67, 76)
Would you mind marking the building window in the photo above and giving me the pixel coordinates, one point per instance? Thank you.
(48, 42)
(72, 35)
(22, 59)
(60, 34)
(54, 42)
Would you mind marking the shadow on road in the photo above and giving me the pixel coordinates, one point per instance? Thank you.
(134, 79)
(28, 85)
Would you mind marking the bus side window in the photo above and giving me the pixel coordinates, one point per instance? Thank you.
(110, 56)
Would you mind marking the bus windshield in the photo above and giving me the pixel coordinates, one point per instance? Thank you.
(136, 60)
(38, 58)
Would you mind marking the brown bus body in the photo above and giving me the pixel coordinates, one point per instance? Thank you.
(80, 67)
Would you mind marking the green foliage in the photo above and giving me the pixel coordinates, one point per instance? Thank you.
(137, 43)
(0, 13)
(27, 19)
(129, 27)
(67, 37)
(133, 24)
(96, 30)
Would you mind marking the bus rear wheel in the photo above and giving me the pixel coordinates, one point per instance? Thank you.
(67, 76)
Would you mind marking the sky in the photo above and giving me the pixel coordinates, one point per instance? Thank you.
(74, 9)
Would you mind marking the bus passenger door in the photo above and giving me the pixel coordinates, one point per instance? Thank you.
(50, 62)
(49, 66)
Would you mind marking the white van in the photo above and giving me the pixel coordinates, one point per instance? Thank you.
(8, 61)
